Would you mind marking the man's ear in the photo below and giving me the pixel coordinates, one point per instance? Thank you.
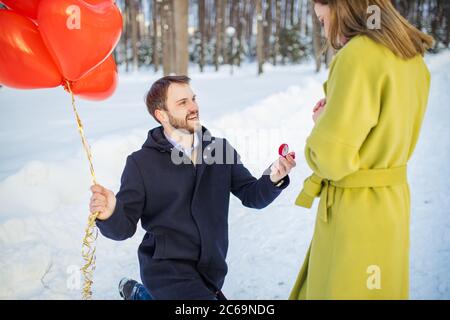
(161, 115)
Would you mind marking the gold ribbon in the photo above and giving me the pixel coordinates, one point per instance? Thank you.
(91, 231)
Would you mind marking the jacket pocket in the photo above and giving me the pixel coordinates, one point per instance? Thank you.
(160, 247)
(170, 245)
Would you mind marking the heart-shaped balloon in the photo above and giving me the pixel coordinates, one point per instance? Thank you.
(28, 8)
(97, 1)
(79, 34)
(24, 60)
(98, 84)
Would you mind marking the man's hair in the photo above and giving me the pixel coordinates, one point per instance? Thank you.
(157, 95)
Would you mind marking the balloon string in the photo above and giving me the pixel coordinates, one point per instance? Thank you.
(91, 231)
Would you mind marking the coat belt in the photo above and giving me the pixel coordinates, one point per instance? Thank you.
(315, 186)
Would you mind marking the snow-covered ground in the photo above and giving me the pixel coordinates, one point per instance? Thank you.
(44, 182)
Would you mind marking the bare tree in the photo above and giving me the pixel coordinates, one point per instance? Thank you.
(234, 21)
(156, 13)
(181, 46)
(201, 30)
(126, 27)
(292, 12)
(167, 36)
(239, 30)
(317, 36)
(134, 33)
(220, 31)
(447, 24)
(268, 28)
(276, 50)
(259, 36)
(301, 20)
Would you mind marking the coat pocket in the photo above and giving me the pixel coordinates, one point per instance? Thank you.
(160, 247)
(170, 245)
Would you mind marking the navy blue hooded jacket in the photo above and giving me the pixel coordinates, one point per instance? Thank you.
(184, 211)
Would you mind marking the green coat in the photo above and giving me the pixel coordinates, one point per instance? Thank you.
(358, 151)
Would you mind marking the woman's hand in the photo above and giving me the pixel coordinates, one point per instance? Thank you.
(319, 109)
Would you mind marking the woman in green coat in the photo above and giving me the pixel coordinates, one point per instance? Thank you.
(376, 97)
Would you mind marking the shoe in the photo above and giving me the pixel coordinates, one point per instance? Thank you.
(126, 288)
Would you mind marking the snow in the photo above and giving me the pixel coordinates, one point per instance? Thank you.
(45, 180)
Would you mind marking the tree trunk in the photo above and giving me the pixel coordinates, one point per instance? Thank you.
(156, 12)
(201, 29)
(126, 33)
(259, 36)
(308, 12)
(276, 49)
(167, 37)
(251, 12)
(292, 13)
(240, 28)
(234, 20)
(268, 30)
(220, 32)
(317, 36)
(447, 31)
(134, 33)
(300, 17)
(181, 47)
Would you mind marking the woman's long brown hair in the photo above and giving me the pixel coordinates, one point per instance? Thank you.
(348, 18)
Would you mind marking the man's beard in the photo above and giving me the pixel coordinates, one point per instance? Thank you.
(184, 124)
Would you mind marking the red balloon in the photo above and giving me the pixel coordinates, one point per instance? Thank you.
(98, 1)
(79, 35)
(24, 60)
(27, 8)
(98, 84)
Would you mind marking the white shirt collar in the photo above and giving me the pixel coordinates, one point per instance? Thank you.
(177, 145)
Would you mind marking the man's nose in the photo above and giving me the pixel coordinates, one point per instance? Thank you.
(193, 107)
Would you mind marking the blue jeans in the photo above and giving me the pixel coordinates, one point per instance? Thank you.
(140, 293)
